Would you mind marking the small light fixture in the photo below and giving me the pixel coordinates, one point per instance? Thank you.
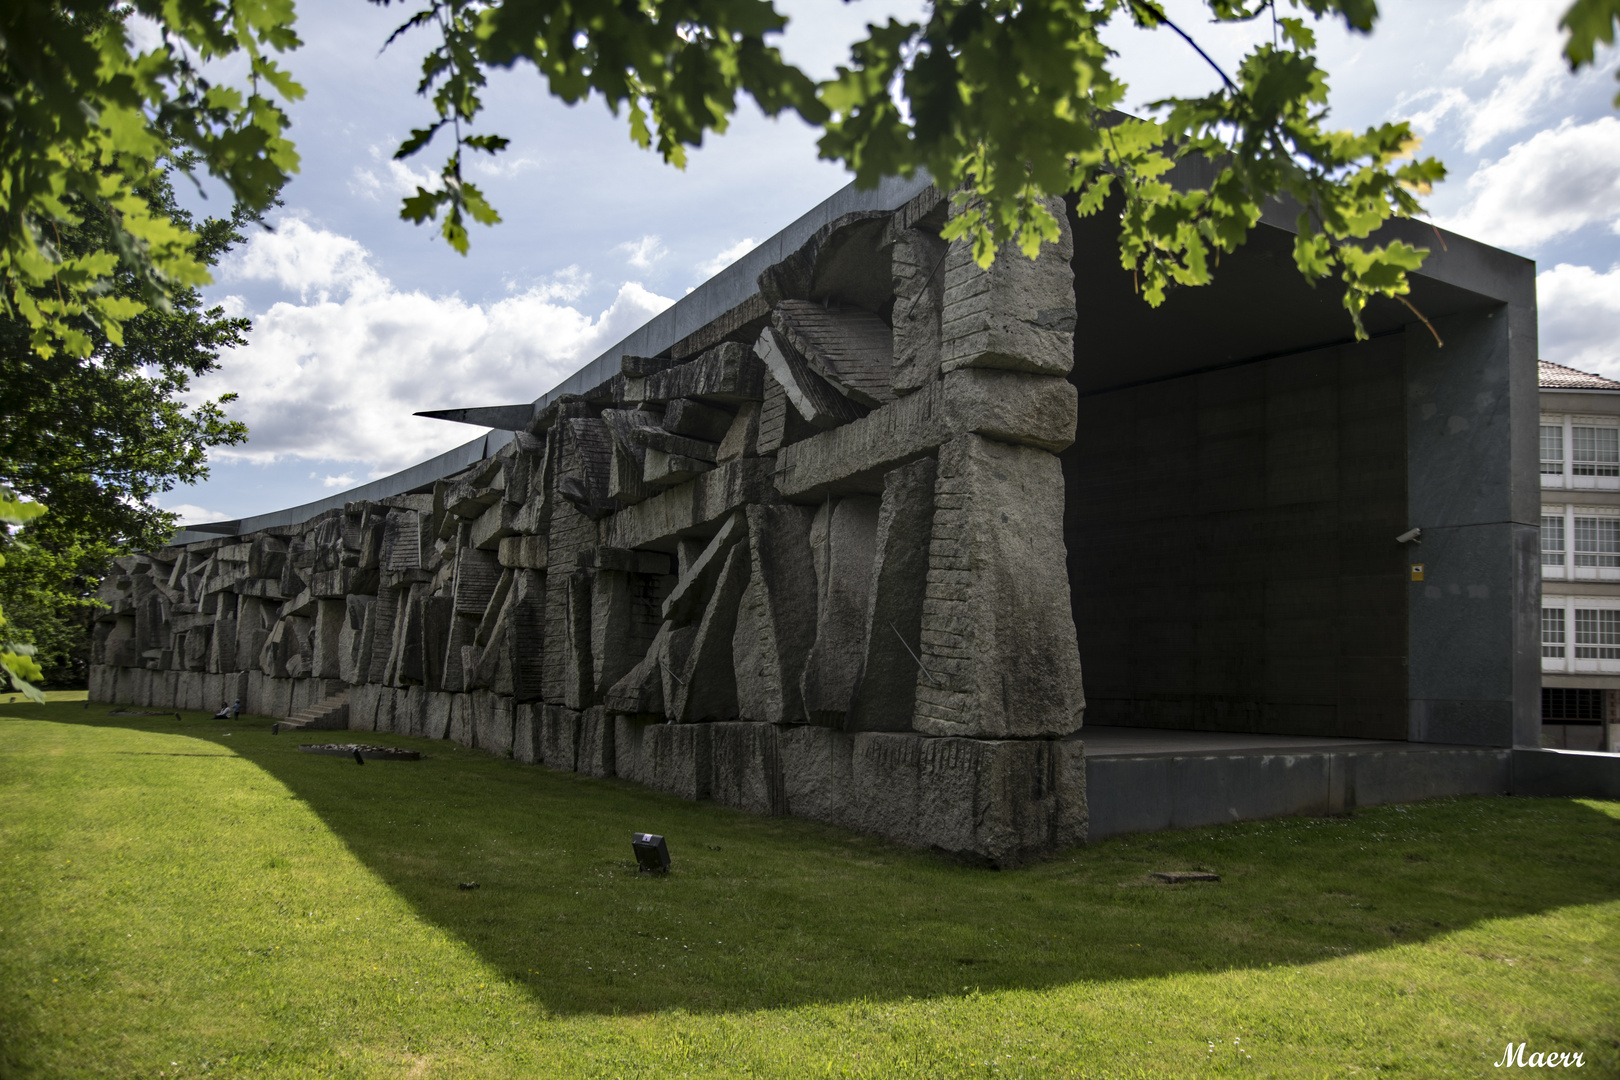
(652, 854)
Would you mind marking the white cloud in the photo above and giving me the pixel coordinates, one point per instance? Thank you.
(1558, 181)
(195, 515)
(390, 177)
(727, 257)
(503, 167)
(1519, 43)
(644, 252)
(304, 259)
(1580, 317)
(144, 34)
(1505, 77)
(342, 481)
(336, 377)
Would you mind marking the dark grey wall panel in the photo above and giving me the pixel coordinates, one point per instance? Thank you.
(1231, 548)
(1471, 463)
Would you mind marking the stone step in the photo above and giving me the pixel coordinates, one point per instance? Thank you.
(330, 714)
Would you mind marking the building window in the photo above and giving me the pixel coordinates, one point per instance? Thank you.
(1597, 541)
(1552, 540)
(1596, 451)
(1552, 632)
(1597, 634)
(1552, 449)
(1561, 704)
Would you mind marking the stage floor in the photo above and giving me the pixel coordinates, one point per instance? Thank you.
(1141, 742)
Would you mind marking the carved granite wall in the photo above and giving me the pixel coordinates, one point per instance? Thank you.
(810, 561)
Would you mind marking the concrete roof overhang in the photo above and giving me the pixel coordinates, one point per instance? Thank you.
(1259, 306)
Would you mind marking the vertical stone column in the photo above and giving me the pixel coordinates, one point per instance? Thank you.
(998, 639)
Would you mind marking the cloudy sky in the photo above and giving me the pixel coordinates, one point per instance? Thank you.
(361, 319)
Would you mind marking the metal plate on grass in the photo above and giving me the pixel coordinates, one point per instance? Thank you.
(370, 753)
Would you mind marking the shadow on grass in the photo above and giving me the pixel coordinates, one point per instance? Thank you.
(767, 912)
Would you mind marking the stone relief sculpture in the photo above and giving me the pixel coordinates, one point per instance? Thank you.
(810, 561)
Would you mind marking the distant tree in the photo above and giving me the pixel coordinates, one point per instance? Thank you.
(95, 437)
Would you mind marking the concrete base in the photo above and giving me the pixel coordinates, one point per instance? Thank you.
(1144, 780)
(1570, 773)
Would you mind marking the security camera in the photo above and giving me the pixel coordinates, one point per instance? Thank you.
(1410, 536)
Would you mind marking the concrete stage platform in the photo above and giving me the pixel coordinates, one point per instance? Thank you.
(1149, 779)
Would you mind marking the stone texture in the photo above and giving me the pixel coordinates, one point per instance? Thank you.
(594, 756)
(842, 546)
(675, 758)
(815, 399)
(559, 737)
(642, 553)
(707, 686)
(628, 762)
(776, 620)
(493, 723)
(1019, 314)
(625, 617)
(436, 715)
(852, 349)
(997, 638)
(886, 696)
(816, 772)
(741, 437)
(695, 420)
(331, 618)
(697, 504)
(917, 265)
(745, 770)
(527, 552)
(461, 719)
(727, 374)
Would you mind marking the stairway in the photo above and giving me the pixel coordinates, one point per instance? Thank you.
(329, 714)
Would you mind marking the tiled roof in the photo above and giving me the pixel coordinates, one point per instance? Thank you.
(1559, 377)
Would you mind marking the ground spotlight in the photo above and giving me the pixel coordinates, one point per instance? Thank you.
(652, 854)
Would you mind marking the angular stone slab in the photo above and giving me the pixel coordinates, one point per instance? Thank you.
(1006, 406)
(697, 504)
(526, 552)
(682, 602)
(842, 545)
(776, 616)
(815, 399)
(741, 437)
(696, 420)
(727, 374)
(887, 694)
(851, 349)
(436, 708)
(707, 688)
(919, 297)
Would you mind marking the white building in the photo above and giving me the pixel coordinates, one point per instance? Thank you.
(1580, 559)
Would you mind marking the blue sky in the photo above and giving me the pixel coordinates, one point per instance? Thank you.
(361, 319)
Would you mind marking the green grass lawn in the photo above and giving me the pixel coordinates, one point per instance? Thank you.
(196, 897)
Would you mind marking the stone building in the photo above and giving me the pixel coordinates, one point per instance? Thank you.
(1580, 559)
(833, 536)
